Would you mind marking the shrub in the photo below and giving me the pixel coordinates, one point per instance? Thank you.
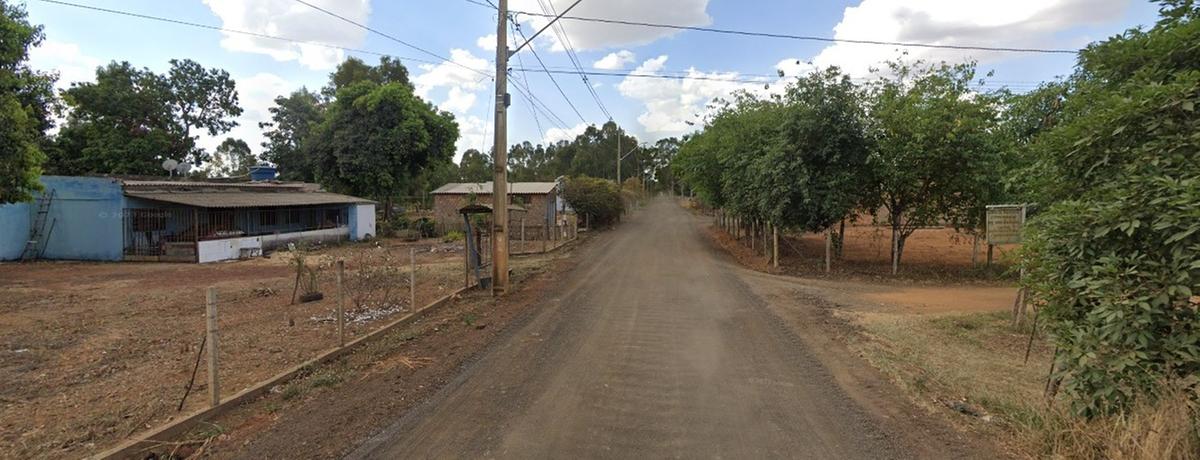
(453, 236)
(598, 199)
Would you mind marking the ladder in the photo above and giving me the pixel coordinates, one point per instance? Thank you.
(37, 235)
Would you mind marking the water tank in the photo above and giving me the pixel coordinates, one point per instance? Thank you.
(262, 172)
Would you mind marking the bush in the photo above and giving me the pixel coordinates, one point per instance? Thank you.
(453, 236)
(598, 199)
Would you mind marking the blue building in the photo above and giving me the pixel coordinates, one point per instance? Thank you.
(109, 219)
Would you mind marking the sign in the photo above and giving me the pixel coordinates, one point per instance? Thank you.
(1004, 223)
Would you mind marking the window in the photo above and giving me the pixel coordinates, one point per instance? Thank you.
(267, 217)
(149, 220)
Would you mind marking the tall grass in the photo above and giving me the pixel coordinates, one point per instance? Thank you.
(1165, 428)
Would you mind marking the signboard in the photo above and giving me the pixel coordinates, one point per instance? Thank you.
(1004, 223)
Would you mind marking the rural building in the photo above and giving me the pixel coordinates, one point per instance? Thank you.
(541, 201)
(112, 219)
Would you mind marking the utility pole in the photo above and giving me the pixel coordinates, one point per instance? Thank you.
(500, 159)
(618, 157)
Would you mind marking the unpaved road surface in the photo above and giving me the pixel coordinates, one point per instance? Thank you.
(654, 348)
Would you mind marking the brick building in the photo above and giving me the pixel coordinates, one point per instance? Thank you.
(541, 201)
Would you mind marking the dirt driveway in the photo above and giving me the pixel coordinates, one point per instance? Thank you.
(657, 348)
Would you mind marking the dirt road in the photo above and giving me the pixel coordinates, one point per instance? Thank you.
(655, 348)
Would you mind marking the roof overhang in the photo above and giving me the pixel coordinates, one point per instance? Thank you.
(245, 199)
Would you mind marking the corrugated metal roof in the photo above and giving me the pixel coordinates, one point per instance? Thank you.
(184, 185)
(245, 199)
(485, 188)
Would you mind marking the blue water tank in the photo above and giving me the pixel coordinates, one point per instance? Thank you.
(262, 172)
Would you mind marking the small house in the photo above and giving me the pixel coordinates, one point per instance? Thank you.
(115, 219)
(540, 200)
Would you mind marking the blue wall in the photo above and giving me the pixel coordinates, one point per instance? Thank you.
(14, 230)
(86, 219)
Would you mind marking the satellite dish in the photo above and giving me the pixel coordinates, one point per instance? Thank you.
(170, 165)
(184, 168)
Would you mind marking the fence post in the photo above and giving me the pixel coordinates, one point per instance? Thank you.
(341, 295)
(412, 278)
(523, 248)
(775, 245)
(829, 250)
(214, 388)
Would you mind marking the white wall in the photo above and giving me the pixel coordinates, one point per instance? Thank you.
(231, 248)
(364, 221)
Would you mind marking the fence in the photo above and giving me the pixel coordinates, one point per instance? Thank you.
(172, 233)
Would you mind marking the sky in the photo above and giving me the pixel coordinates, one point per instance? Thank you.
(449, 48)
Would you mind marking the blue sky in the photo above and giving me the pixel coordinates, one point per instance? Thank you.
(78, 40)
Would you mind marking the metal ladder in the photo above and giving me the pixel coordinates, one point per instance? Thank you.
(37, 235)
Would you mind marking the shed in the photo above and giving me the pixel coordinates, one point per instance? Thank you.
(539, 199)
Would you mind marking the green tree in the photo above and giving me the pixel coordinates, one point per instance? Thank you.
(935, 149)
(599, 200)
(129, 120)
(292, 121)
(232, 158)
(475, 166)
(354, 70)
(818, 172)
(376, 139)
(1115, 256)
(26, 100)
(203, 99)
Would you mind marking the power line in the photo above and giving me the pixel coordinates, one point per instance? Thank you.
(566, 41)
(547, 26)
(799, 37)
(552, 79)
(233, 31)
(387, 36)
(525, 76)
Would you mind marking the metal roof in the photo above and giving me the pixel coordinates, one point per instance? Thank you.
(485, 188)
(185, 185)
(244, 199)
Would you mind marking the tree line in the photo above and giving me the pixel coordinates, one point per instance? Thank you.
(1110, 155)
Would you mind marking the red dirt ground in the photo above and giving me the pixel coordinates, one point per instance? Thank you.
(91, 353)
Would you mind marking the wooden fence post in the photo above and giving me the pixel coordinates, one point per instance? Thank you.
(775, 245)
(829, 250)
(523, 248)
(214, 387)
(412, 279)
(341, 298)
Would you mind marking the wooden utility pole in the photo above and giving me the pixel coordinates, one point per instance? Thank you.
(214, 383)
(500, 158)
(775, 244)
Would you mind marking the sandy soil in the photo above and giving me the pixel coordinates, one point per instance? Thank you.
(91, 353)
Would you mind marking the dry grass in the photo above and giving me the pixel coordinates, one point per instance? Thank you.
(972, 368)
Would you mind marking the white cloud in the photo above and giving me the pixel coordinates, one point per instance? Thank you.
(1013, 23)
(592, 35)
(256, 94)
(473, 133)
(286, 18)
(65, 59)
(558, 134)
(449, 75)
(670, 104)
(458, 100)
(487, 43)
(616, 61)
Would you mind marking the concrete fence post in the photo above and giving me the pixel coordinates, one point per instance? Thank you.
(214, 387)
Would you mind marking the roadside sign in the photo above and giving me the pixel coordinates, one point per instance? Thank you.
(1004, 223)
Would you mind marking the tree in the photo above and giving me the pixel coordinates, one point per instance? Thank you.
(200, 98)
(475, 166)
(119, 124)
(599, 200)
(26, 99)
(354, 70)
(817, 173)
(935, 151)
(292, 121)
(129, 120)
(1115, 256)
(233, 158)
(376, 139)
